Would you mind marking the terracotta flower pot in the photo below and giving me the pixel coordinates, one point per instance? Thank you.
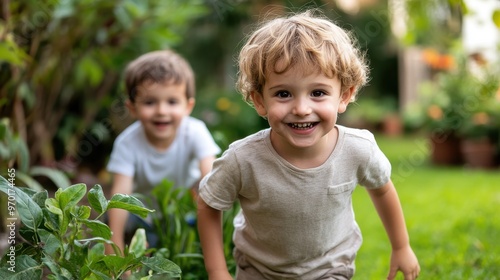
(445, 149)
(478, 153)
(392, 125)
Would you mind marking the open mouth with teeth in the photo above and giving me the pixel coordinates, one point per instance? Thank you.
(302, 125)
(158, 123)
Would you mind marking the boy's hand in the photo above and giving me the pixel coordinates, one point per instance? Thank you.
(404, 260)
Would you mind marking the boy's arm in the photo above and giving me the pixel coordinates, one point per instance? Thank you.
(205, 167)
(389, 209)
(117, 218)
(210, 230)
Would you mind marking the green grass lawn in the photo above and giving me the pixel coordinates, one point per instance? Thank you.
(452, 216)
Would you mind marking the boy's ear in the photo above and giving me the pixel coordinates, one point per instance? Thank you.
(345, 99)
(131, 107)
(258, 102)
(190, 105)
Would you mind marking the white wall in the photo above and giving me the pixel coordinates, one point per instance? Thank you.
(479, 33)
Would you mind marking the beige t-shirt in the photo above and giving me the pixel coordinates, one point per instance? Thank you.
(295, 223)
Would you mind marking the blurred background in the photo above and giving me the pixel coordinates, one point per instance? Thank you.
(61, 67)
(434, 81)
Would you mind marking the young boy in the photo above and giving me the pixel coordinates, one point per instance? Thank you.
(165, 142)
(294, 181)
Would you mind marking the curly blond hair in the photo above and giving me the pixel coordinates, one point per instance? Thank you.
(308, 40)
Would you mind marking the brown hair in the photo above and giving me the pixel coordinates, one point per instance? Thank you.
(305, 40)
(163, 66)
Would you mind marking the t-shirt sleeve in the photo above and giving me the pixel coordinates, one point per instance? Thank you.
(121, 160)
(203, 142)
(377, 170)
(220, 188)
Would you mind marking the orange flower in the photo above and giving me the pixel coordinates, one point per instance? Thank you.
(435, 112)
(480, 118)
(446, 62)
(438, 61)
(430, 57)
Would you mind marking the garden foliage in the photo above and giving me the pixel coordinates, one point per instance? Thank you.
(59, 239)
(61, 64)
(175, 225)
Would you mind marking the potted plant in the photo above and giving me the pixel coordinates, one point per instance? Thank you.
(439, 112)
(480, 128)
(457, 105)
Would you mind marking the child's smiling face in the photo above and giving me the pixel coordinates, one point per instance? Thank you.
(301, 107)
(161, 108)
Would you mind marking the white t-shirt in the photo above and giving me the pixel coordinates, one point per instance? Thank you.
(294, 223)
(132, 155)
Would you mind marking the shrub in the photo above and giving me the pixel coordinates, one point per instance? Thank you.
(61, 241)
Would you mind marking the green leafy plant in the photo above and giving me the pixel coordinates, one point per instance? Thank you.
(481, 119)
(14, 152)
(368, 112)
(459, 101)
(175, 225)
(58, 239)
(100, 38)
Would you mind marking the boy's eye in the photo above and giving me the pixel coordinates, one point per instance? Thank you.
(148, 101)
(317, 93)
(283, 94)
(173, 101)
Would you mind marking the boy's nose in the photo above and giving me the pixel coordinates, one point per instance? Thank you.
(162, 108)
(301, 107)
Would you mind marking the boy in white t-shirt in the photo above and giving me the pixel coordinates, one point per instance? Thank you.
(294, 181)
(165, 142)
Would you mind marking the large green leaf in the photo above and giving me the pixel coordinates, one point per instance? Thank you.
(96, 252)
(86, 242)
(25, 268)
(50, 242)
(62, 268)
(40, 198)
(116, 263)
(30, 213)
(97, 200)
(52, 206)
(129, 203)
(51, 220)
(29, 192)
(138, 244)
(70, 196)
(53, 210)
(162, 265)
(97, 275)
(99, 229)
(56, 176)
(57, 272)
(81, 212)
